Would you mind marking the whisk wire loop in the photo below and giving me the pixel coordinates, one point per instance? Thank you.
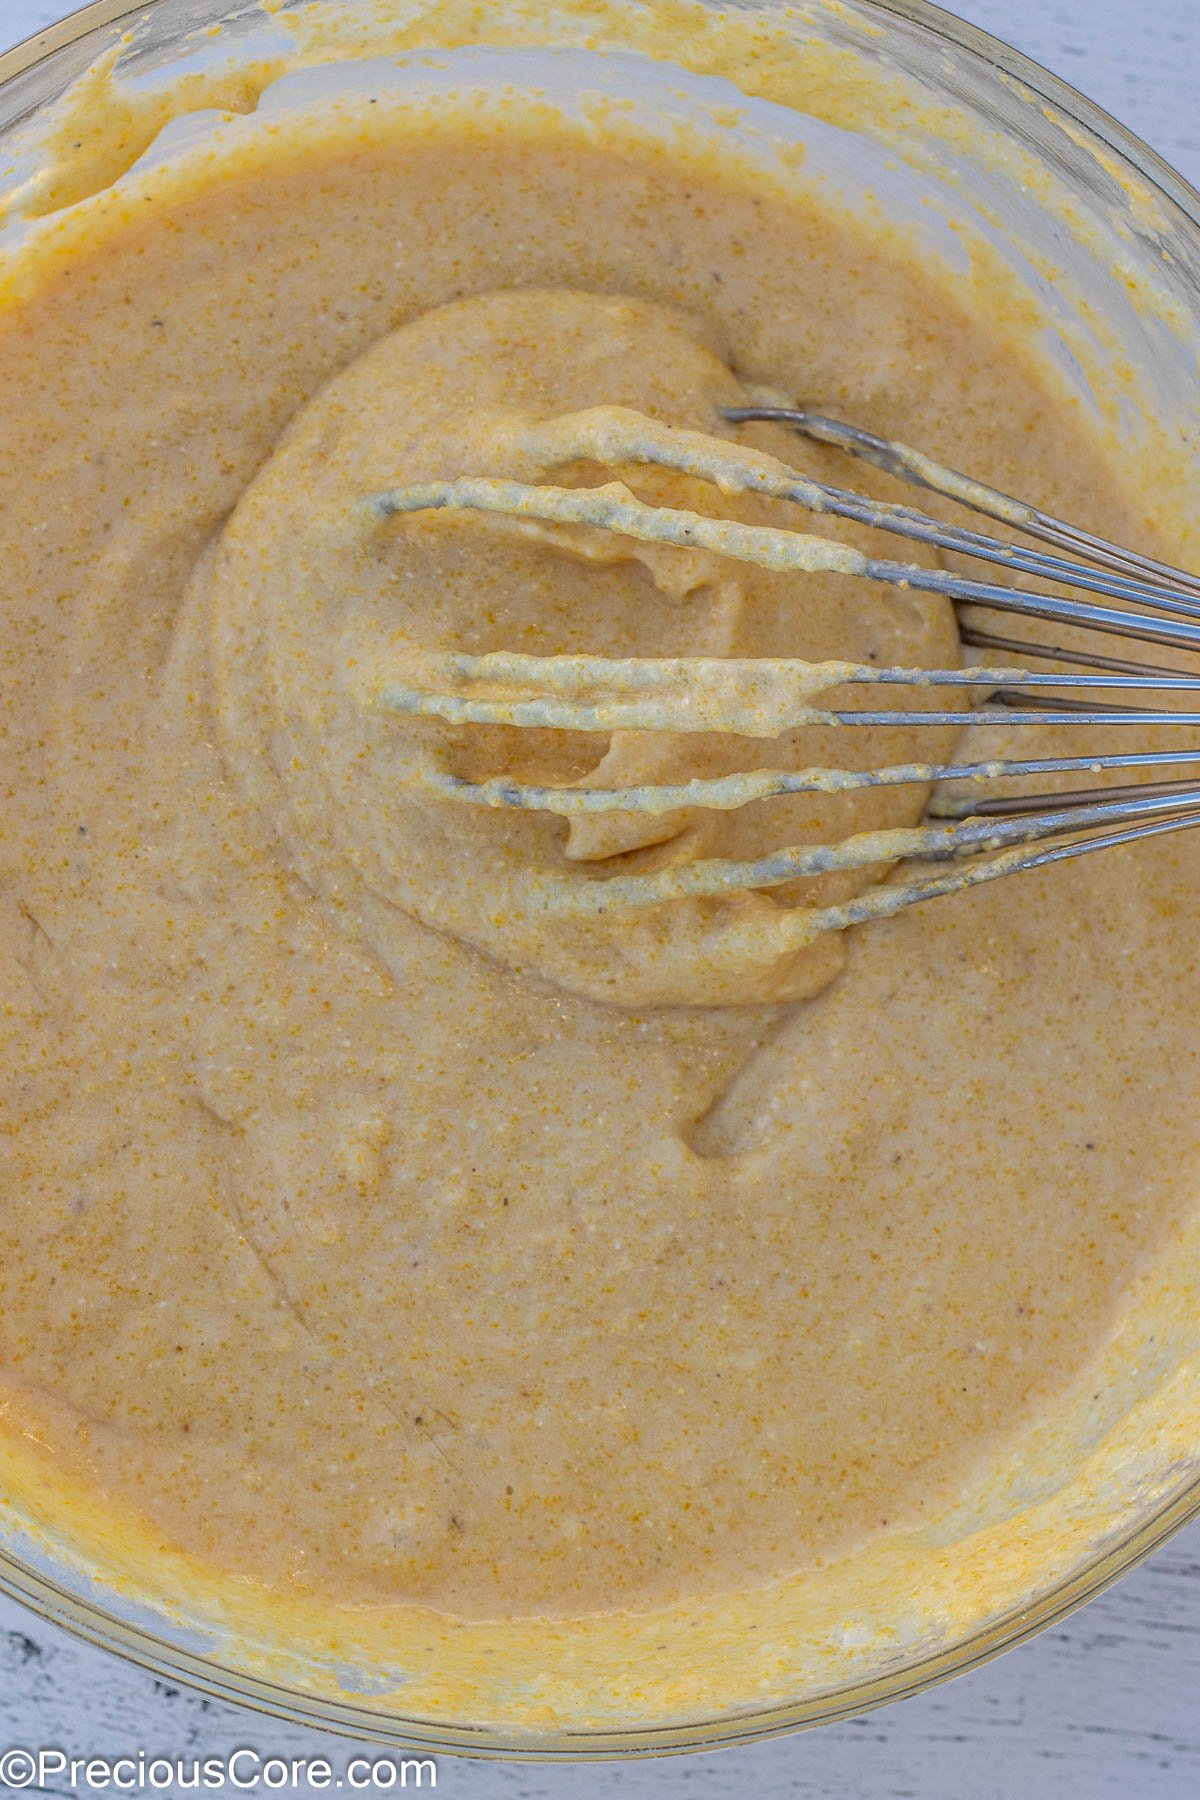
(983, 835)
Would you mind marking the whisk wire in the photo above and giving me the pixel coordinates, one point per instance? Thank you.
(907, 464)
(982, 834)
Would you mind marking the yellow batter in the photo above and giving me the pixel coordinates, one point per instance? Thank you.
(369, 1239)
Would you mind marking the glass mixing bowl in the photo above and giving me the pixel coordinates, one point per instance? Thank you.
(1093, 222)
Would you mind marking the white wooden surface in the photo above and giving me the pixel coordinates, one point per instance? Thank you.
(1105, 1707)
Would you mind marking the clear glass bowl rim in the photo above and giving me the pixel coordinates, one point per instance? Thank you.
(60, 1605)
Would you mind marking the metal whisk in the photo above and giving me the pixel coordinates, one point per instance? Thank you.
(982, 837)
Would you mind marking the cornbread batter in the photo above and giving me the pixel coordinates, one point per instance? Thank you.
(368, 1239)
(311, 610)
